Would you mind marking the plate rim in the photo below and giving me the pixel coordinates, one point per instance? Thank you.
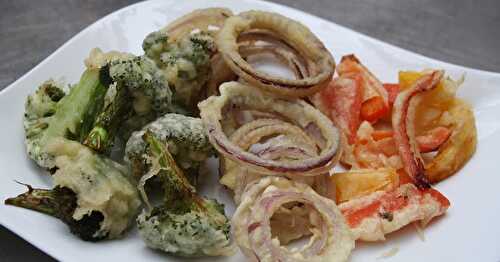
(50, 252)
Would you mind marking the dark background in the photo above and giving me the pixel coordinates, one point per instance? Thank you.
(462, 32)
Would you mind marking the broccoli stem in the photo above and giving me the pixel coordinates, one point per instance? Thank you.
(179, 193)
(73, 111)
(60, 203)
(91, 114)
(41, 200)
(105, 127)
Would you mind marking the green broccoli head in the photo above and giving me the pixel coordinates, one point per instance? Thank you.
(43, 102)
(93, 195)
(185, 64)
(154, 44)
(191, 234)
(186, 139)
(39, 110)
(185, 224)
(49, 113)
(145, 82)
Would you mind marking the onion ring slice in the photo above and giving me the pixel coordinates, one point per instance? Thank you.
(238, 94)
(200, 19)
(318, 60)
(251, 43)
(331, 240)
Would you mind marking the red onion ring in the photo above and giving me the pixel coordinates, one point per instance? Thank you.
(319, 61)
(331, 240)
(301, 112)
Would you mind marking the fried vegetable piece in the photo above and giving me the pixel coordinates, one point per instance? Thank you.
(49, 113)
(373, 216)
(403, 120)
(205, 19)
(138, 94)
(375, 102)
(440, 107)
(373, 109)
(357, 183)
(92, 195)
(185, 224)
(186, 140)
(433, 102)
(341, 102)
(185, 64)
(459, 147)
(432, 140)
(392, 92)
(252, 228)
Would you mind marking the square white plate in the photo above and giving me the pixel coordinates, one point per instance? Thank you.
(468, 232)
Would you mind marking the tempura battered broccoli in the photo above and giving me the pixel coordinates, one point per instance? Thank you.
(185, 224)
(186, 139)
(138, 91)
(185, 64)
(50, 113)
(92, 195)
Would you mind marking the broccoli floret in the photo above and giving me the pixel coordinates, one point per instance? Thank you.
(92, 195)
(185, 64)
(154, 44)
(137, 91)
(50, 114)
(146, 83)
(186, 139)
(185, 224)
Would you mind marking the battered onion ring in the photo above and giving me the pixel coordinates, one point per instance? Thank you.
(252, 43)
(296, 144)
(319, 61)
(302, 113)
(331, 240)
(200, 19)
(263, 41)
(252, 132)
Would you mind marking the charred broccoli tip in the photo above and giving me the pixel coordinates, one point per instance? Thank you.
(61, 203)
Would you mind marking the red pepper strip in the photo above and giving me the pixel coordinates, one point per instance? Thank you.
(373, 109)
(350, 64)
(429, 142)
(381, 134)
(403, 116)
(392, 92)
(342, 98)
(433, 139)
(392, 210)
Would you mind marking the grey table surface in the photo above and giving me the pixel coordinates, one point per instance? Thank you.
(463, 32)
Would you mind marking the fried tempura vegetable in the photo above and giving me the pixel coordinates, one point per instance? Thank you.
(252, 228)
(138, 94)
(440, 107)
(50, 114)
(434, 102)
(184, 224)
(357, 183)
(185, 64)
(205, 19)
(459, 147)
(373, 216)
(186, 139)
(92, 195)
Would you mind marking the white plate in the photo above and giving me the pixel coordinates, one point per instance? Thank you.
(468, 232)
